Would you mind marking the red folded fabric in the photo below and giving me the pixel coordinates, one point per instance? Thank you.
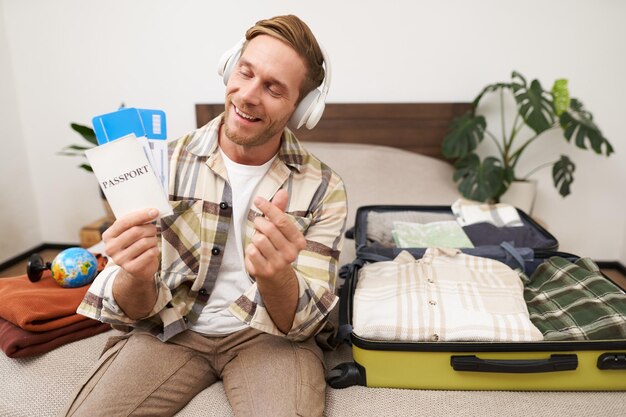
(19, 343)
(43, 305)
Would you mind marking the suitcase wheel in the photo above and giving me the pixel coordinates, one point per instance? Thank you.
(345, 375)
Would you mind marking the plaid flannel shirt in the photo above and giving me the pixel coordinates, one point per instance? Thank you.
(573, 301)
(193, 239)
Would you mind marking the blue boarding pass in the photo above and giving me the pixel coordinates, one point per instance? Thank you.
(150, 129)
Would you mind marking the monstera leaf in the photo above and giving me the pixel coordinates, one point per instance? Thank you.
(489, 89)
(578, 123)
(465, 133)
(534, 104)
(563, 175)
(560, 94)
(484, 181)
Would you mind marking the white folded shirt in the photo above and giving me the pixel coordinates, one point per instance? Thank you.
(470, 212)
(445, 296)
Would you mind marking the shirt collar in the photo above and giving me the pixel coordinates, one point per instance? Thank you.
(205, 140)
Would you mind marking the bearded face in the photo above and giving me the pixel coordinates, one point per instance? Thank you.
(262, 93)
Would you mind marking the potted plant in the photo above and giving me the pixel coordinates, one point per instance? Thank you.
(539, 110)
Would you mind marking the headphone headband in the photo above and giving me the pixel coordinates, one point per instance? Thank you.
(311, 107)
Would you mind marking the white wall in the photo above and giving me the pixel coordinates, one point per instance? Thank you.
(74, 59)
(19, 222)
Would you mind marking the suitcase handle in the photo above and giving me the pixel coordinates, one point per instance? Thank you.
(554, 363)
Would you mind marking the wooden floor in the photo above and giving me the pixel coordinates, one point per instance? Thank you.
(616, 276)
(20, 268)
(48, 255)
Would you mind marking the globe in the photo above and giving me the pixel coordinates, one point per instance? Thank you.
(74, 267)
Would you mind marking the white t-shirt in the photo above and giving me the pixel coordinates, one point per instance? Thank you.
(232, 278)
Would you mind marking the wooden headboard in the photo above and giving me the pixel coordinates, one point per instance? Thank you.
(416, 127)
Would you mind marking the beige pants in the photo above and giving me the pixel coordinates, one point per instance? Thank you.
(263, 375)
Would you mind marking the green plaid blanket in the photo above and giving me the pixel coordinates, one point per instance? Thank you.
(574, 301)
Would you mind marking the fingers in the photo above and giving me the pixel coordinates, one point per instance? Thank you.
(280, 200)
(286, 240)
(144, 265)
(136, 249)
(278, 218)
(279, 258)
(277, 241)
(262, 261)
(132, 243)
(256, 265)
(130, 220)
(128, 238)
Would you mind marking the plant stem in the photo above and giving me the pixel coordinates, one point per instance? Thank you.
(516, 127)
(537, 169)
(502, 113)
(495, 140)
(516, 155)
(508, 144)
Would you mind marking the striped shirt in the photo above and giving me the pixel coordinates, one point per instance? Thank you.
(192, 240)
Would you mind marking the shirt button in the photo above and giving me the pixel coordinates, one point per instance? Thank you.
(203, 291)
(215, 251)
(223, 205)
(432, 302)
(431, 281)
(435, 337)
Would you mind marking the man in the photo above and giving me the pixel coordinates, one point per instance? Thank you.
(242, 275)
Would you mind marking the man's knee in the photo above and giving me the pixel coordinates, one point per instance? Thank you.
(311, 383)
(277, 377)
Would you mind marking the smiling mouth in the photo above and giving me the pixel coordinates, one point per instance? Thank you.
(245, 116)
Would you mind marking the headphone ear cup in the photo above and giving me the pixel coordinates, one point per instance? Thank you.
(229, 66)
(316, 114)
(228, 60)
(301, 115)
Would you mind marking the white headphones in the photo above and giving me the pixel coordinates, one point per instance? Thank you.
(310, 109)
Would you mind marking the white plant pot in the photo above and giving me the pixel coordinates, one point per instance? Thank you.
(521, 194)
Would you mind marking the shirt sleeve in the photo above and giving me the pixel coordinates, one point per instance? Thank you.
(99, 303)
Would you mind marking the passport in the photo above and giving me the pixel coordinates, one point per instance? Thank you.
(148, 125)
(127, 177)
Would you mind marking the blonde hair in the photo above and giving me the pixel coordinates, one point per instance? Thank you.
(293, 31)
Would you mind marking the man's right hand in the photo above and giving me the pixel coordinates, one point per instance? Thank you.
(131, 242)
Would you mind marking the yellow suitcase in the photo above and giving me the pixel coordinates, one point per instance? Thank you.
(598, 365)
(532, 366)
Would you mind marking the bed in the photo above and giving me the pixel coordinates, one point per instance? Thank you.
(414, 127)
(386, 153)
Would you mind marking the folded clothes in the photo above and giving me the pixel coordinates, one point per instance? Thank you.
(502, 215)
(444, 296)
(43, 305)
(483, 234)
(574, 301)
(442, 234)
(16, 342)
(380, 224)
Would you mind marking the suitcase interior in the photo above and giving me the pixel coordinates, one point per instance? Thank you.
(373, 251)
